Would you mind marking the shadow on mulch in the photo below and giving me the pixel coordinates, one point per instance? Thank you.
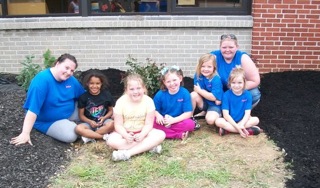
(289, 113)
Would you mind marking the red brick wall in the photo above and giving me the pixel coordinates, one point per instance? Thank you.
(286, 35)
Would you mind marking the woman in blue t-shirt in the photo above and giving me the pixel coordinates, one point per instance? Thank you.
(228, 57)
(51, 102)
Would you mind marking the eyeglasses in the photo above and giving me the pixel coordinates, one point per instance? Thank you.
(226, 36)
(166, 69)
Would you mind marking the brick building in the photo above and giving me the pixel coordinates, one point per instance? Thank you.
(280, 35)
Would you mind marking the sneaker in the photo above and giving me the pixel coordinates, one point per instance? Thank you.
(222, 131)
(120, 155)
(157, 149)
(196, 124)
(254, 130)
(105, 137)
(86, 140)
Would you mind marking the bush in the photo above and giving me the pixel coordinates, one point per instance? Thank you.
(149, 71)
(30, 69)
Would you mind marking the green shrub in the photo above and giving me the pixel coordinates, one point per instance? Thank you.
(149, 71)
(30, 69)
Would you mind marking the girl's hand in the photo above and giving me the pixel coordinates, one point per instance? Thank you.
(94, 124)
(244, 133)
(21, 139)
(196, 88)
(100, 121)
(130, 137)
(217, 102)
(160, 120)
(138, 137)
(168, 121)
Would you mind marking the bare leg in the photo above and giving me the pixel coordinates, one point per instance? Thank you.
(106, 128)
(253, 121)
(211, 117)
(222, 123)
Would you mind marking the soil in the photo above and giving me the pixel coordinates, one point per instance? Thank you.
(289, 112)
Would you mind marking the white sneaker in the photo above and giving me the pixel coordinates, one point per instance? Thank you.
(106, 137)
(86, 140)
(157, 149)
(120, 155)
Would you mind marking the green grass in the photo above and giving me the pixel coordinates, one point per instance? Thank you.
(204, 160)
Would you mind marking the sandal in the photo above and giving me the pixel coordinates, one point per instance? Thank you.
(196, 124)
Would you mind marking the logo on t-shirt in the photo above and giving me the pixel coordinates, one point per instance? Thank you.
(180, 100)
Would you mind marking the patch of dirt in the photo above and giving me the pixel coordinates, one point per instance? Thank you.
(289, 112)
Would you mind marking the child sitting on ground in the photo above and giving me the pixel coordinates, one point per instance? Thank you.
(236, 108)
(133, 119)
(95, 108)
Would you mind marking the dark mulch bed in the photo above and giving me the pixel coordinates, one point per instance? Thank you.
(289, 112)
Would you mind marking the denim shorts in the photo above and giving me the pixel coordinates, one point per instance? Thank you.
(256, 95)
(207, 107)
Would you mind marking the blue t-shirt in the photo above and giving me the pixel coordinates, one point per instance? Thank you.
(236, 105)
(173, 105)
(225, 68)
(212, 85)
(51, 100)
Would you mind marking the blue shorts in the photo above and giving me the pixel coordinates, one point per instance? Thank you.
(207, 107)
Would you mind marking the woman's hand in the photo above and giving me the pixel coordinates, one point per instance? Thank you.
(21, 139)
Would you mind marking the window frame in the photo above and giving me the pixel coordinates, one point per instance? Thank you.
(245, 10)
(172, 9)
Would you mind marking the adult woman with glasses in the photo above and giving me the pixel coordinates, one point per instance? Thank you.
(228, 57)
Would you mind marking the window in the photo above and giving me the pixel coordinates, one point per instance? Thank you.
(41, 7)
(16, 8)
(0, 7)
(209, 7)
(212, 7)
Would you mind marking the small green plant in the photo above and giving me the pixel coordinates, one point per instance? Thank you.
(48, 59)
(28, 72)
(30, 69)
(149, 71)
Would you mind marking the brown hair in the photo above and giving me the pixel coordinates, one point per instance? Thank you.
(98, 74)
(63, 57)
(165, 71)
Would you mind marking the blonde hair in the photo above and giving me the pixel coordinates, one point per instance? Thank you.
(134, 77)
(205, 58)
(237, 72)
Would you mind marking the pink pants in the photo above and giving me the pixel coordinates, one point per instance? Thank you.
(176, 130)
